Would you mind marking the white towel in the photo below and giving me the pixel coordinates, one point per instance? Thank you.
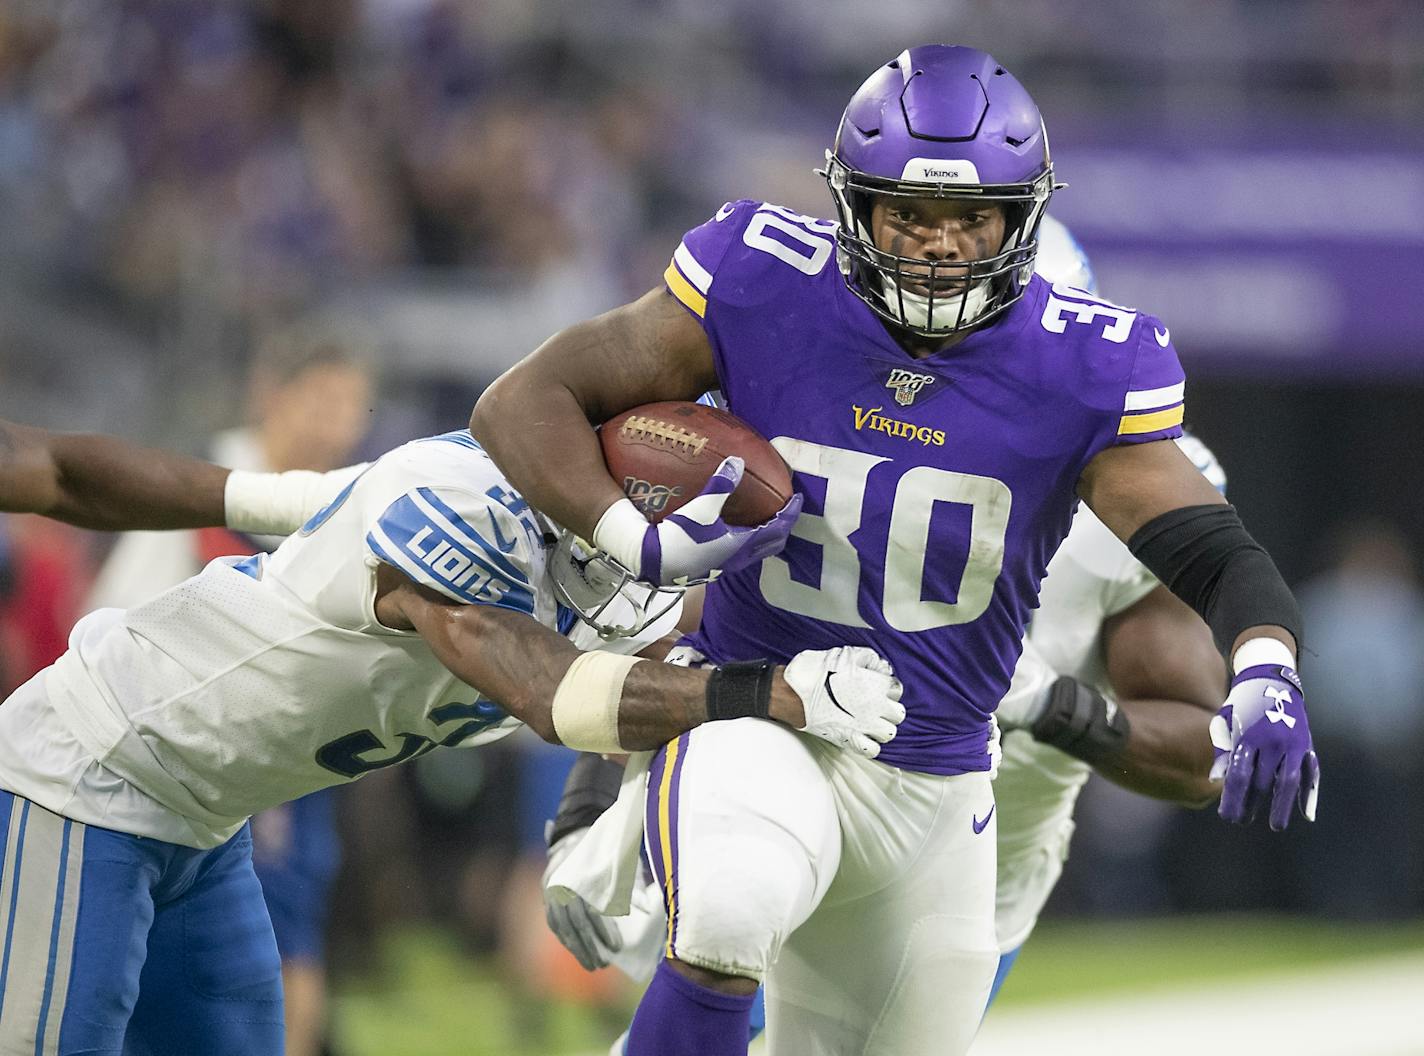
(604, 868)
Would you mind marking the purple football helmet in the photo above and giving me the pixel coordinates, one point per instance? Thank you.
(940, 122)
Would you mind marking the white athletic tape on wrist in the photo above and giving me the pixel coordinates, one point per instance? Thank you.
(619, 533)
(585, 710)
(1263, 650)
(280, 503)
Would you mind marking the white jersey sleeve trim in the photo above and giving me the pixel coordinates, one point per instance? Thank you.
(694, 272)
(1146, 399)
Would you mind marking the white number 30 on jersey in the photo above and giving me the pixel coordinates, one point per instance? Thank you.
(836, 598)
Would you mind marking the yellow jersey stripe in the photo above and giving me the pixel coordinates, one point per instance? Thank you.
(1132, 424)
(684, 291)
(665, 835)
(694, 272)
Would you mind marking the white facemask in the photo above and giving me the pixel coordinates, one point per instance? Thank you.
(602, 592)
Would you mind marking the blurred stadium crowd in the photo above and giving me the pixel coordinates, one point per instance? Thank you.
(194, 169)
(179, 179)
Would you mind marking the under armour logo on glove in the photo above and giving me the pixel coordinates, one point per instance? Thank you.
(1278, 713)
(1272, 760)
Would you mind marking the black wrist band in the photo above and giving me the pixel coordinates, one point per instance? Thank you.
(590, 789)
(738, 690)
(1082, 722)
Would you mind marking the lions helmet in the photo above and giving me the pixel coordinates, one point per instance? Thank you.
(1061, 259)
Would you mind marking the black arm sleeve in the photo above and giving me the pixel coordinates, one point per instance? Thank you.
(1206, 557)
(1082, 722)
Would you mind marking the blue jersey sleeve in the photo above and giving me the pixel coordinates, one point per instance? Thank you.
(1154, 404)
(471, 548)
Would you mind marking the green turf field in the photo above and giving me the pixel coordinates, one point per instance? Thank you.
(429, 1000)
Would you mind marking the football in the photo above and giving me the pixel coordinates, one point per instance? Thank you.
(663, 453)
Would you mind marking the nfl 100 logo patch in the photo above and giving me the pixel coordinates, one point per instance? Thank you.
(650, 498)
(906, 384)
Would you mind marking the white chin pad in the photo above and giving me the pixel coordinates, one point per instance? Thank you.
(917, 306)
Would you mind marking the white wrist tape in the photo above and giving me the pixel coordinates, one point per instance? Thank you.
(619, 533)
(1257, 651)
(585, 710)
(280, 503)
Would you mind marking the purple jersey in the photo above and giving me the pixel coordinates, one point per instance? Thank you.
(936, 489)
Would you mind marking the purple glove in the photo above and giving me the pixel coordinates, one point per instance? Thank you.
(1263, 747)
(693, 544)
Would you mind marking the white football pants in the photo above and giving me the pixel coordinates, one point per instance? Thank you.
(863, 895)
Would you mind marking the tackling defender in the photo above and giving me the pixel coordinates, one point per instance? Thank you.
(425, 592)
(310, 387)
(865, 893)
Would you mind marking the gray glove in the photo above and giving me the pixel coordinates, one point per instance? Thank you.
(586, 933)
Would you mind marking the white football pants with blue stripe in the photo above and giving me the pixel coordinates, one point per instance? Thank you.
(118, 944)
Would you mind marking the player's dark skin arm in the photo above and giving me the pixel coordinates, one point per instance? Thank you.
(518, 662)
(105, 483)
(649, 350)
(1169, 679)
(1131, 484)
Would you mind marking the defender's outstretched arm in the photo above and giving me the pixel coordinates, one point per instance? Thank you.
(106, 483)
(109, 484)
(1166, 680)
(605, 703)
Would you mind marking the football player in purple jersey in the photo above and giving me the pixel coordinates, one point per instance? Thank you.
(943, 410)
(1104, 626)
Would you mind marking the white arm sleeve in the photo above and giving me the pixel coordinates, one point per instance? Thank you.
(1028, 691)
(280, 503)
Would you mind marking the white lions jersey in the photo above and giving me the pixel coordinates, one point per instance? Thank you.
(1091, 577)
(260, 680)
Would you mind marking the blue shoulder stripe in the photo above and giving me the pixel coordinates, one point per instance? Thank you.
(409, 538)
(493, 553)
(567, 620)
(324, 514)
(469, 587)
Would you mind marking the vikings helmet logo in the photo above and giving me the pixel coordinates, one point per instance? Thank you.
(906, 383)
